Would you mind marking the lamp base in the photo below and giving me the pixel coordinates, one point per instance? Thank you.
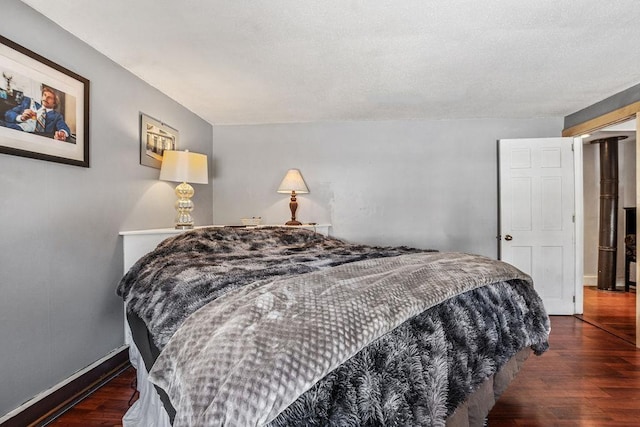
(184, 206)
(184, 226)
(293, 223)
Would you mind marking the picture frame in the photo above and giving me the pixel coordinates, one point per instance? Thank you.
(44, 108)
(155, 137)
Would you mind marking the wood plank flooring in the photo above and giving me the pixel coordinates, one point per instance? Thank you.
(106, 406)
(587, 378)
(614, 312)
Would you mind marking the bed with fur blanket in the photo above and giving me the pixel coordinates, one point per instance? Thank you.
(286, 327)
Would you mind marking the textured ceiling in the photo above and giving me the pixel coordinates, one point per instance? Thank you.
(281, 61)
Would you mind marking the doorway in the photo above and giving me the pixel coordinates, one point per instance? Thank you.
(612, 309)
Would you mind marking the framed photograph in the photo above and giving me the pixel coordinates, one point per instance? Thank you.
(44, 108)
(155, 137)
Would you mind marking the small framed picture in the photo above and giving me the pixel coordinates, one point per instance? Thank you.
(155, 137)
(44, 108)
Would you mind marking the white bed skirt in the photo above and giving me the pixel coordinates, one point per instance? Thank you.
(148, 410)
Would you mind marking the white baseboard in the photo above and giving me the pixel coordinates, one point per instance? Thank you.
(593, 281)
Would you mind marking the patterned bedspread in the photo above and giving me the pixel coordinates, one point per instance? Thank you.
(191, 269)
(414, 374)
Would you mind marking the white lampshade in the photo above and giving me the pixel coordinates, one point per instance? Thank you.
(184, 166)
(293, 181)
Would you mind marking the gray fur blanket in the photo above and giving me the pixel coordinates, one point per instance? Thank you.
(272, 341)
(416, 374)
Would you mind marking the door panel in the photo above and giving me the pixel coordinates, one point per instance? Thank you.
(552, 196)
(537, 210)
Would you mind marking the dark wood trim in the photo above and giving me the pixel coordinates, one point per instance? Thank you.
(61, 400)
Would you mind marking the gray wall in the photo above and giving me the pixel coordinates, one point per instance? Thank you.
(429, 184)
(60, 253)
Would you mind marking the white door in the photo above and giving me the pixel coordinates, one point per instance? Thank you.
(537, 215)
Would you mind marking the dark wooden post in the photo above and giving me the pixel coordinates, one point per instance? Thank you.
(608, 222)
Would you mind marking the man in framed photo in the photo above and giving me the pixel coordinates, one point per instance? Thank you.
(39, 118)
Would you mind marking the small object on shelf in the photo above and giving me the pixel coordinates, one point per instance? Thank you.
(253, 221)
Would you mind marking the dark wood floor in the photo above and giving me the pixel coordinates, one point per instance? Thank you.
(105, 407)
(614, 312)
(587, 378)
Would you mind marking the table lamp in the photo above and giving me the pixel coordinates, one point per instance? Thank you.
(292, 183)
(184, 167)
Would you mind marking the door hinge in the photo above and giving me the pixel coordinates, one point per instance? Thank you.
(573, 218)
(574, 298)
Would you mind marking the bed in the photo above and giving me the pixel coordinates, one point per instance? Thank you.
(281, 326)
